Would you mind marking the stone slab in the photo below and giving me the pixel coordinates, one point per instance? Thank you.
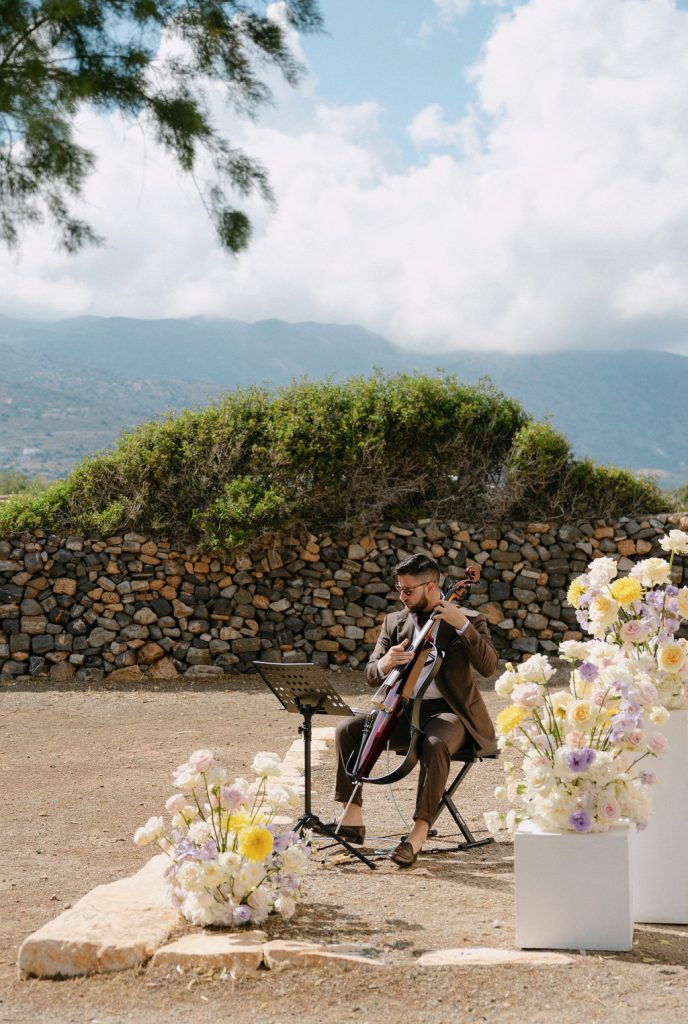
(112, 928)
(283, 953)
(235, 952)
(490, 957)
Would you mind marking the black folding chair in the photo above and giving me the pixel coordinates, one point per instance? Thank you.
(468, 757)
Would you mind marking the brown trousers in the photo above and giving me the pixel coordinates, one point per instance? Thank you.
(444, 735)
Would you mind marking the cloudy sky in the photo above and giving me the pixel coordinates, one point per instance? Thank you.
(482, 174)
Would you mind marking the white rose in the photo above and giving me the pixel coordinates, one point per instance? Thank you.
(652, 572)
(186, 779)
(602, 571)
(285, 906)
(266, 763)
(175, 803)
(541, 779)
(671, 656)
(505, 684)
(199, 832)
(493, 821)
(676, 541)
(580, 713)
(560, 700)
(574, 650)
(190, 876)
(229, 862)
(213, 874)
(294, 859)
(151, 832)
(659, 715)
(535, 669)
(603, 612)
(259, 899)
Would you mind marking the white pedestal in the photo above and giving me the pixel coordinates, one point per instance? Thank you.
(660, 852)
(573, 891)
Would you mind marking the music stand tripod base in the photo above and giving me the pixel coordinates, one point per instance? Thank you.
(303, 689)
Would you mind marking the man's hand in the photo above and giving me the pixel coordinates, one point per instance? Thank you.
(451, 613)
(395, 656)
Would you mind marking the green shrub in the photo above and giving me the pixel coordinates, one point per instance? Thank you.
(319, 454)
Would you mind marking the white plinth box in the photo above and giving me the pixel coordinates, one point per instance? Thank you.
(660, 852)
(573, 891)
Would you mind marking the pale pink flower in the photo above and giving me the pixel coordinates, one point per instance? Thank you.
(201, 760)
(527, 695)
(634, 631)
(658, 744)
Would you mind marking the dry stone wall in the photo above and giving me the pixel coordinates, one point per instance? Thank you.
(131, 607)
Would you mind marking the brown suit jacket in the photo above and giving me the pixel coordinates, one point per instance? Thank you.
(455, 678)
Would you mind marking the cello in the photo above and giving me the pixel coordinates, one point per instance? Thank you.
(394, 698)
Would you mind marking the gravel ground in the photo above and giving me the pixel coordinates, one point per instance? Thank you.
(86, 767)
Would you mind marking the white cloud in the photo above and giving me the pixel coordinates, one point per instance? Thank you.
(449, 9)
(560, 219)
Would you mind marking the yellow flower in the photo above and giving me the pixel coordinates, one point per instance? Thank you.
(575, 592)
(683, 602)
(509, 718)
(255, 843)
(239, 820)
(626, 591)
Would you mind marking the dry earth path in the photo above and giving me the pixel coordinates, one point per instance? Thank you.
(84, 768)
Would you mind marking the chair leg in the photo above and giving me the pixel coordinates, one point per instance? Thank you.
(446, 801)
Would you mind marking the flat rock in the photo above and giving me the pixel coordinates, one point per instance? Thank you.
(485, 955)
(112, 928)
(282, 953)
(235, 952)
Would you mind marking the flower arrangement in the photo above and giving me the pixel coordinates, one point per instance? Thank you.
(640, 613)
(581, 746)
(229, 864)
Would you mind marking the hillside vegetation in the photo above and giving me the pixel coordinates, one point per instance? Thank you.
(319, 454)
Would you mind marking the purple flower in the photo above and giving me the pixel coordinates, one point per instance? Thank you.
(241, 914)
(588, 671)
(284, 841)
(580, 821)
(580, 760)
(648, 778)
(671, 590)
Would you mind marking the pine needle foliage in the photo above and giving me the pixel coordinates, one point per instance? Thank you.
(58, 57)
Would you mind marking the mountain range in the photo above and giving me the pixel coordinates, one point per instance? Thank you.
(70, 387)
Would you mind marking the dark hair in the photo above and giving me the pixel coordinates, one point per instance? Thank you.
(416, 565)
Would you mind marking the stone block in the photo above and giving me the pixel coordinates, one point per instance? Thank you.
(282, 953)
(33, 624)
(126, 674)
(488, 957)
(163, 669)
(112, 928)
(65, 585)
(62, 672)
(150, 653)
(237, 953)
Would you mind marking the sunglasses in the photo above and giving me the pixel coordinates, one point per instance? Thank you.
(409, 590)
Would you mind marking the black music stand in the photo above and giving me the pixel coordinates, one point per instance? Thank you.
(304, 690)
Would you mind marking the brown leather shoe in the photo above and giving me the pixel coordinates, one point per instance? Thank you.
(352, 833)
(404, 855)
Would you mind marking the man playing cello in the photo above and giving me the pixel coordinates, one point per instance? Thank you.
(453, 713)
